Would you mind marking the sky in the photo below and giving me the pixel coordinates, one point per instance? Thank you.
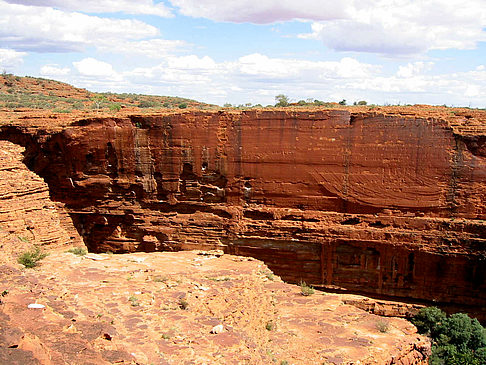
(249, 51)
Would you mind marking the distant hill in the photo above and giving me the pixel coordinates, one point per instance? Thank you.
(38, 93)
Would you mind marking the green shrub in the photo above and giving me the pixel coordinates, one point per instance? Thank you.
(78, 105)
(450, 355)
(305, 289)
(133, 301)
(382, 325)
(428, 320)
(147, 104)
(282, 100)
(456, 340)
(98, 101)
(182, 105)
(478, 337)
(270, 326)
(115, 107)
(32, 257)
(268, 274)
(463, 332)
(78, 251)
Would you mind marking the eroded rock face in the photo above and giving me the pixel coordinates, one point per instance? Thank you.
(164, 307)
(27, 215)
(390, 205)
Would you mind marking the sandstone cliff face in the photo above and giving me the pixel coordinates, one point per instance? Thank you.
(389, 205)
(27, 215)
(161, 307)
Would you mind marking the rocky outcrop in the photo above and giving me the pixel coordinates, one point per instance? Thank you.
(163, 308)
(388, 205)
(27, 215)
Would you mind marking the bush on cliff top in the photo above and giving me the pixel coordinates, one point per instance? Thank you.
(305, 289)
(456, 340)
(32, 257)
(78, 251)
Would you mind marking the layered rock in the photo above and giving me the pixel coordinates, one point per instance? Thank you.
(27, 215)
(390, 205)
(161, 308)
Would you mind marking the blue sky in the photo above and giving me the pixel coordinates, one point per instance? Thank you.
(248, 51)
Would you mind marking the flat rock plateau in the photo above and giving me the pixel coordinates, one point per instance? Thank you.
(194, 217)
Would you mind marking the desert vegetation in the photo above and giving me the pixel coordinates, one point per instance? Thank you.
(31, 258)
(305, 289)
(78, 251)
(17, 93)
(456, 339)
(37, 93)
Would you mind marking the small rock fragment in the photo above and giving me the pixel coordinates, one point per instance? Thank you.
(201, 287)
(218, 329)
(36, 306)
(216, 253)
(95, 257)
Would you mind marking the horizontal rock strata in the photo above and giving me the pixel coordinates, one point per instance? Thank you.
(27, 215)
(388, 205)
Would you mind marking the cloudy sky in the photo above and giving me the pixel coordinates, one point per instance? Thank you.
(248, 51)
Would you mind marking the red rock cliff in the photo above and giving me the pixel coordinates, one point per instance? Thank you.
(381, 204)
(27, 216)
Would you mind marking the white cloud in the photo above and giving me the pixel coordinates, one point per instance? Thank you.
(413, 84)
(261, 12)
(152, 48)
(413, 68)
(257, 78)
(350, 35)
(184, 72)
(92, 67)
(253, 78)
(54, 70)
(192, 63)
(45, 29)
(404, 27)
(262, 66)
(102, 6)
(392, 27)
(10, 58)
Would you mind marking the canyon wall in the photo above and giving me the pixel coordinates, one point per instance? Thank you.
(27, 215)
(381, 204)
